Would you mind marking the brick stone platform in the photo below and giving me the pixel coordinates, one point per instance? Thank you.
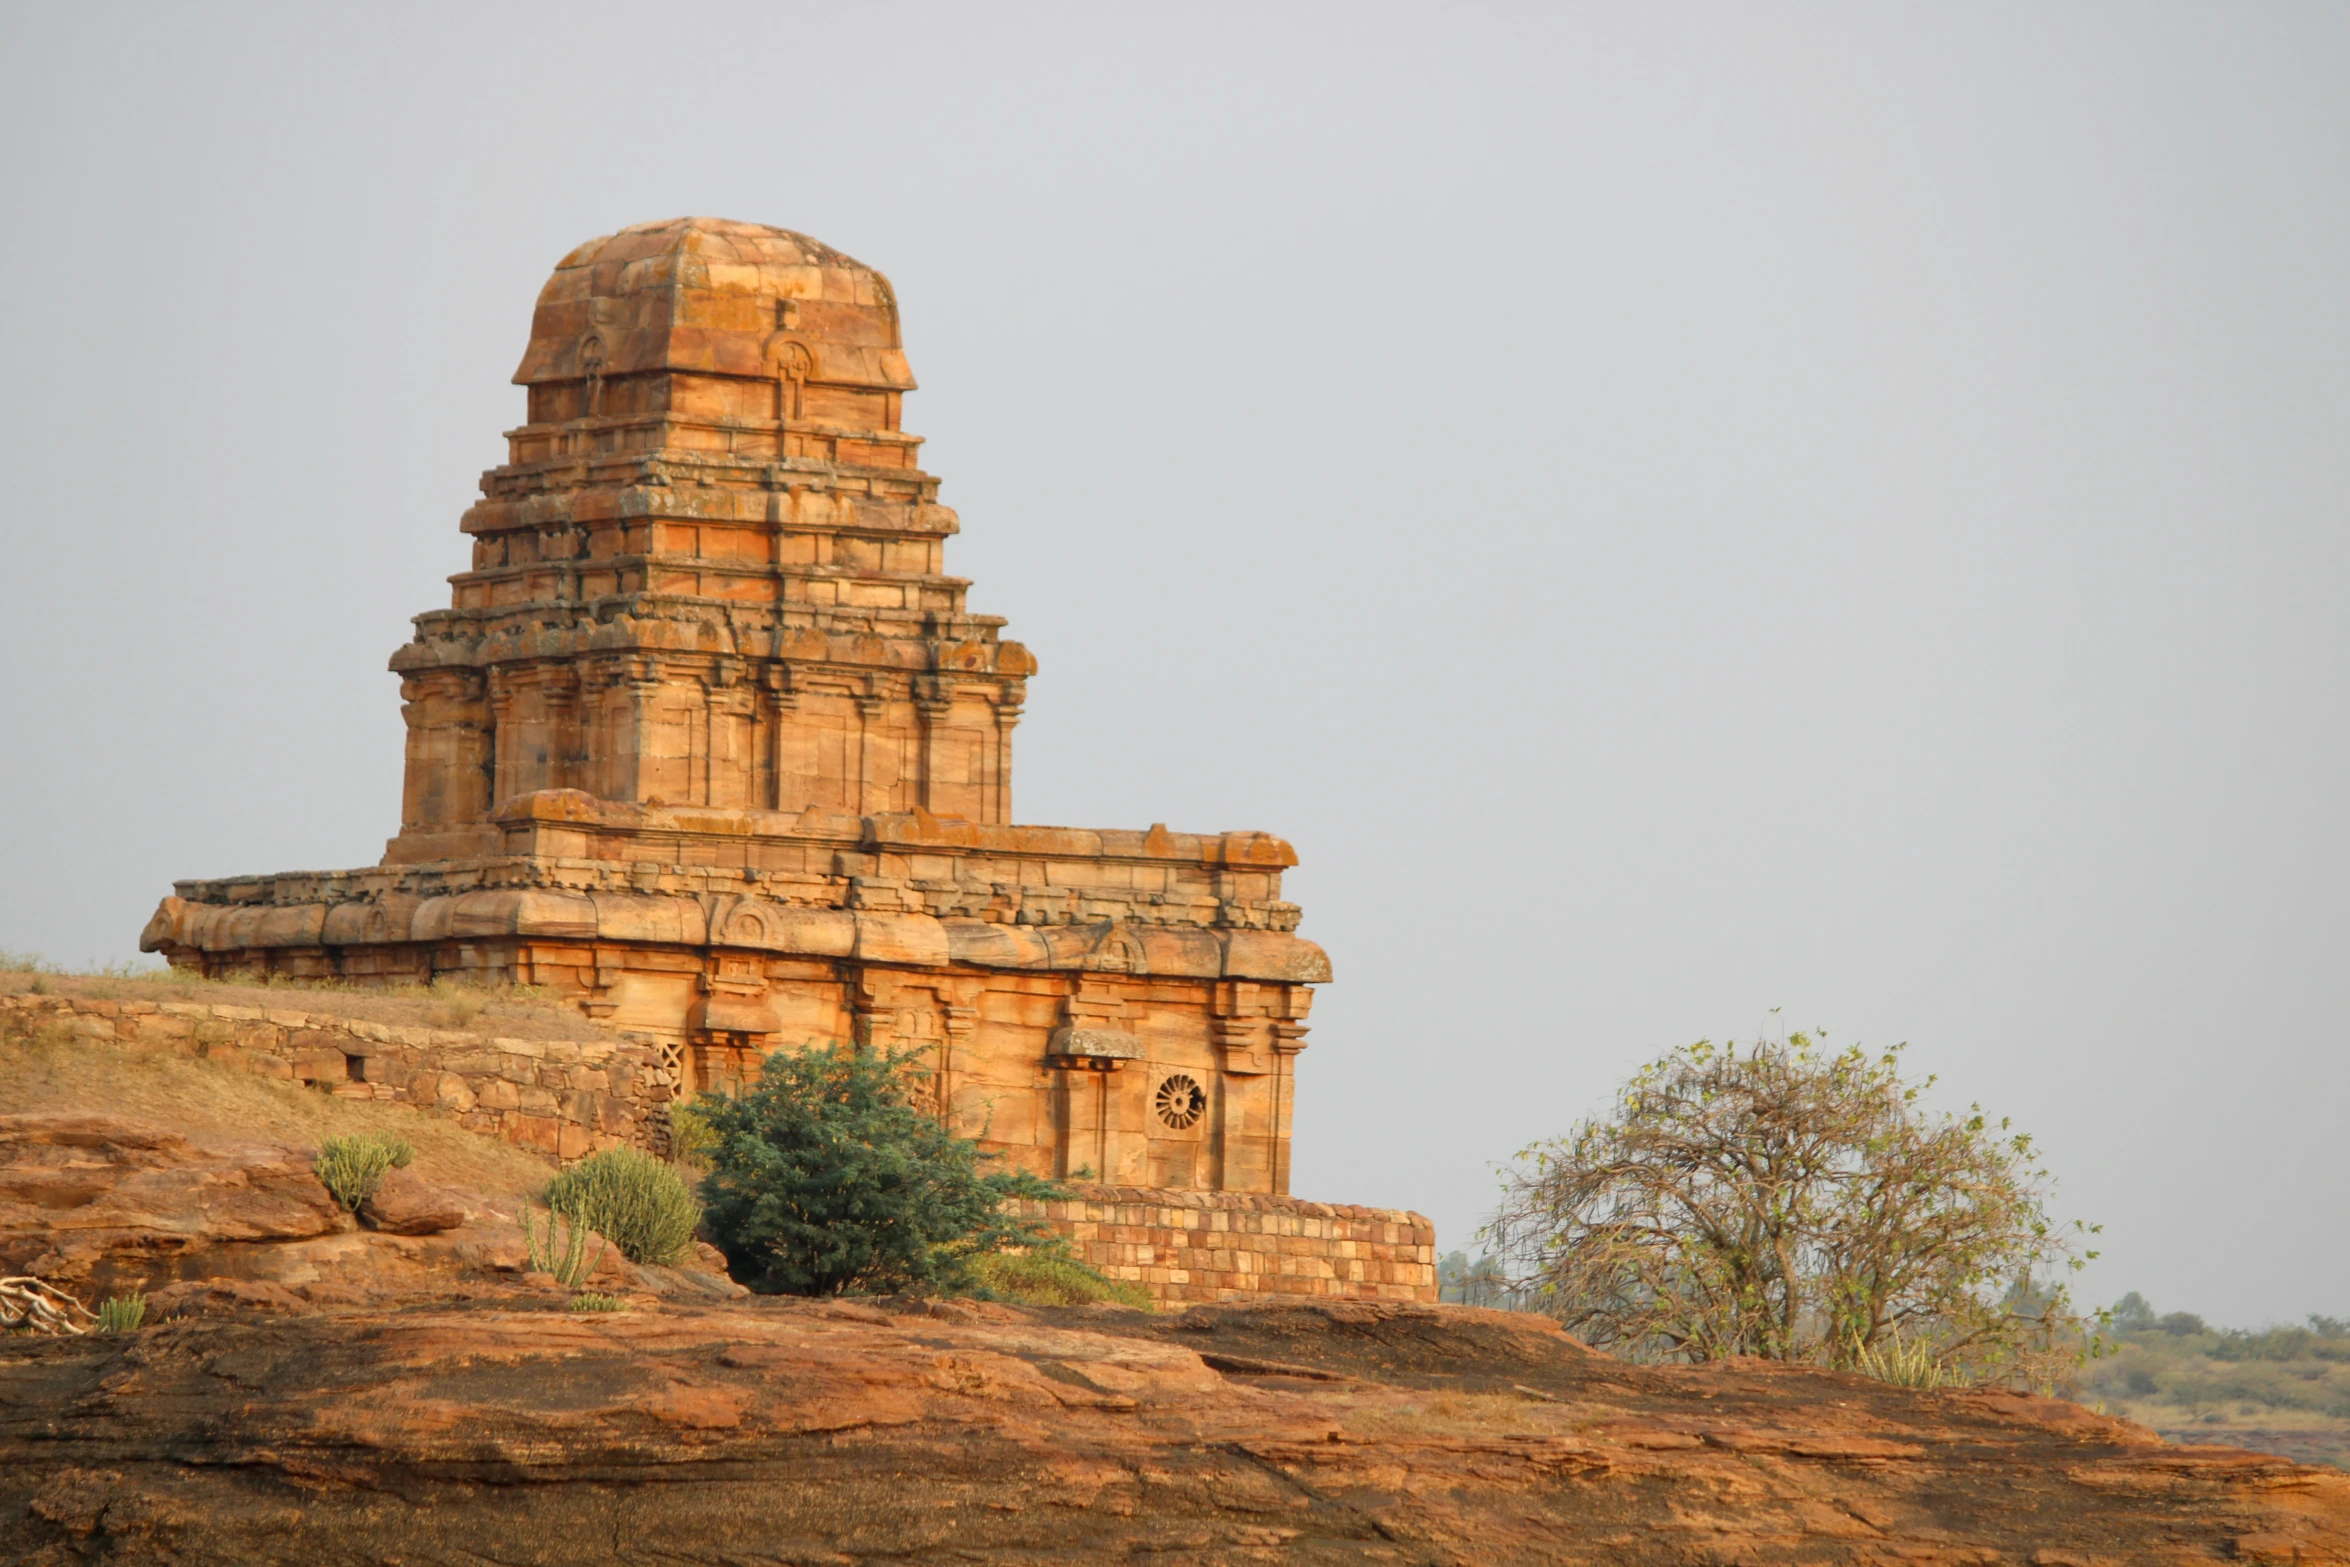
(1211, 1246)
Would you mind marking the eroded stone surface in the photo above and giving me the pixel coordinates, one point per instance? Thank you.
(102, 1205)
(799, 1431)
(82, 1194)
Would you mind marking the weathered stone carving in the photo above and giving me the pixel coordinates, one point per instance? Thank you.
(708, 743)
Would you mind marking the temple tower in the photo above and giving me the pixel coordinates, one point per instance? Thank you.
(711, 573)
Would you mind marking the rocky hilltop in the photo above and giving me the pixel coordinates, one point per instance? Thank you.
(328, 1392)
(315, 1389)
(854, 1432)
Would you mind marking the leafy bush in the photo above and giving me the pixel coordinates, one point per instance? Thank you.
(825, 1179)
(1046, 1277)
(633, 1200)
(589, 1300)
(121, 1313)
(352, 1167)
(565, 1258)
(690, 1138)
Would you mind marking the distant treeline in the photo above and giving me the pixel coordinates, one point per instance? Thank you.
(2174, 1368)
(2322, 1338)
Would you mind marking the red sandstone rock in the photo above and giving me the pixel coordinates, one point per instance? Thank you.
(84, 1194)
(404, 1203)
(104, 1205)
(843, 1431)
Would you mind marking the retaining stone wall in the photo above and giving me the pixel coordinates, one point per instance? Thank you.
(568, 1098)
(1210, 1246)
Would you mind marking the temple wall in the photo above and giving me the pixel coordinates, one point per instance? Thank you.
(1201, 1097)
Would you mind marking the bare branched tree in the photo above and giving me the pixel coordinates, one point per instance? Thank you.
(1784, 1201)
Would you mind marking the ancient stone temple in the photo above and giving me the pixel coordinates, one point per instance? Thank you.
(709, 743)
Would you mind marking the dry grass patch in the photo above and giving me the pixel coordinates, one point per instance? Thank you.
(511, 1011)
(47, 1070)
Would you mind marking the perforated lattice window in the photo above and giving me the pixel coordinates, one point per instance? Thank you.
(1181, 1101)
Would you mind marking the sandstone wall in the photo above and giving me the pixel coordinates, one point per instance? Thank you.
(1211, 1246)
(568, 1098)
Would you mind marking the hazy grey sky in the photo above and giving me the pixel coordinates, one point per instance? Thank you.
(1675, 511)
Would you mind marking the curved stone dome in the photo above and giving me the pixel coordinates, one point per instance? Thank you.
(713, 297)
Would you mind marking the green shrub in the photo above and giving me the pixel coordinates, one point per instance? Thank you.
(691, 1141)
(1045, 1277)
(633, 1200)
(564, 1257)
(121, 1313)
(826, 1180)
(352, 1167)
(589, 1300)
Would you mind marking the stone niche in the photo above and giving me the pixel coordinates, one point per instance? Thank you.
(709, 744)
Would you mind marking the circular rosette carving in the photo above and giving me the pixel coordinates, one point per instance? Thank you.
(1180, 1101)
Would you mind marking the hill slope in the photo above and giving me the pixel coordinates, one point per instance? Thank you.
(840, 1432)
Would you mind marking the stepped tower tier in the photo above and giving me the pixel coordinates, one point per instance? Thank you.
(708, 745)
(711, 573)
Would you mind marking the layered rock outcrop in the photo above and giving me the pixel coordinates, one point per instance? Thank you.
(312, 1391)
(100, 1205)
(841, 1433)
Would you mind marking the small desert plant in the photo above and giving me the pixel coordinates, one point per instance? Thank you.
(565, 1257)
(590, 1300)
(121, 1313)
(633, 1200)
(1904, 1362)
(352, 1167)
(1045, 1277)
